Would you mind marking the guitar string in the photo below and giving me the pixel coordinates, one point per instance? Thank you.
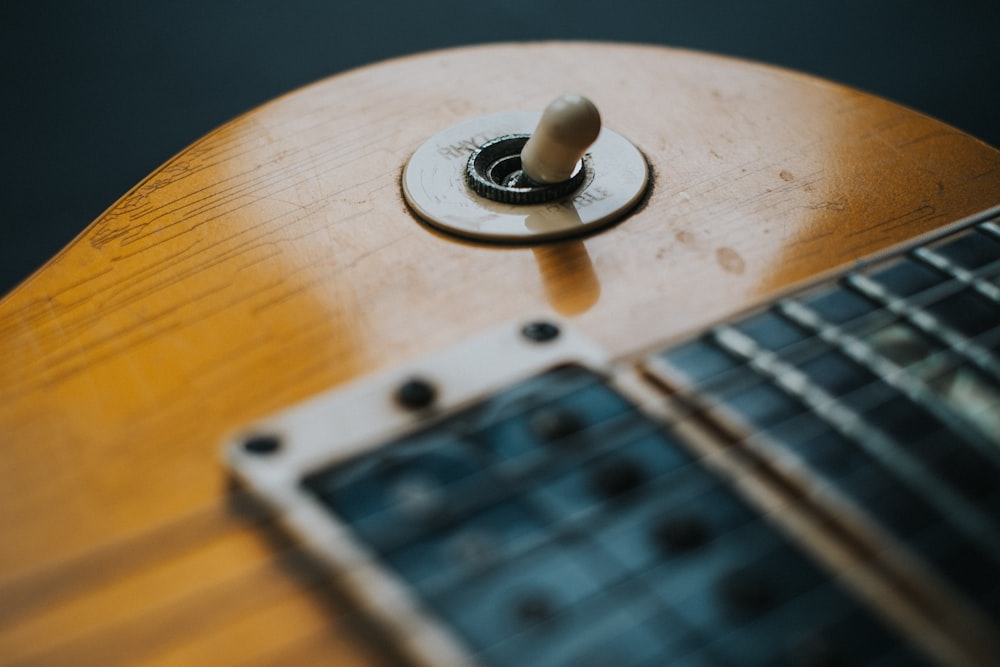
(952, 363)
(944, 360)
(692, 417)
(940, 363)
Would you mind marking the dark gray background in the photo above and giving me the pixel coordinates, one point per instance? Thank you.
(98, 94)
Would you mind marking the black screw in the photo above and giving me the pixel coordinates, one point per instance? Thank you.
(554, 423)
(534, 608)
(747, 591)
(817, 651)
(415, 394)
(262, 444)
(617, 478)
(540, 332)
(681, 533)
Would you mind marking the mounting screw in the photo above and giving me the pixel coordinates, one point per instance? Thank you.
(262, 445)
(617, 478)
(415, 394)
(540, 332)
(554, 423)
(534, 608)
(747, 591)
(679, 534)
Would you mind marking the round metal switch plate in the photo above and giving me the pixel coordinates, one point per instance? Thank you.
(435, 188)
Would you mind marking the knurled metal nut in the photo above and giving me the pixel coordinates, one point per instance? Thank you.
(494, 161)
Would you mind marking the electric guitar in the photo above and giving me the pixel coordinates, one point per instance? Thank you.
(262, 411)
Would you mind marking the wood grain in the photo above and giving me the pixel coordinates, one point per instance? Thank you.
(275, 258)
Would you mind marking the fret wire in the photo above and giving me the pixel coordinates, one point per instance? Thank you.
(691, 397)
(991, 228)
(894, 376)
(966, 515)
(977, 355)
(893, 310)
(736, 378)
(963, 275)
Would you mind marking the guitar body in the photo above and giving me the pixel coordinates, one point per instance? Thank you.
(276, 258)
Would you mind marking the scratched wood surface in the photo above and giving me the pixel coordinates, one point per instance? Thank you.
(275, 258)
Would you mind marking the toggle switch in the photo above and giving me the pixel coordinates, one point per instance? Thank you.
(569, 125)
(523, 177)
(542, 167)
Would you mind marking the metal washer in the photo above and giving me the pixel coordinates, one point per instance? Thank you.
(434, 186)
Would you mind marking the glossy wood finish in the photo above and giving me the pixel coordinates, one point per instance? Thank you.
(275, 258)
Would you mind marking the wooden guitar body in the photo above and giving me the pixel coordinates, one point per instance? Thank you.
(276, 258)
